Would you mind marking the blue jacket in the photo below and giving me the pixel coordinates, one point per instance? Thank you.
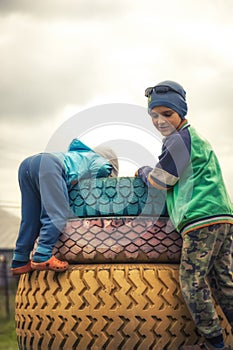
(80, 161)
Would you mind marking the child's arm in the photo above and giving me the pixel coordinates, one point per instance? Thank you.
(174, 159)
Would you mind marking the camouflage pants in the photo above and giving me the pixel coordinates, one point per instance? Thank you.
(206, 267)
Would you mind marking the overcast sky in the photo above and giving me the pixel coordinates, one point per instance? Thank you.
(60, 57)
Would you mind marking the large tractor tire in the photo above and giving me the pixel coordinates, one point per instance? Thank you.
(105, 307)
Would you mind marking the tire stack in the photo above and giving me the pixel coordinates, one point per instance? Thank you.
(122, 287)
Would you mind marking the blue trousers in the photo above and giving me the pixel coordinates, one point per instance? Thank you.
(45, 205)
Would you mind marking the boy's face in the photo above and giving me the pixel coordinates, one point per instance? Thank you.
(165, 119)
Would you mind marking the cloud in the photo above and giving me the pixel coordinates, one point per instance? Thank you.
(62, 8)
(60, 53)
(43, 69)
(67, 52)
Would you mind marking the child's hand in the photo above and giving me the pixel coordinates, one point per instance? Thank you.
(143, 172)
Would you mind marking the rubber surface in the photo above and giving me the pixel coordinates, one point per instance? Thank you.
(122, 196)
(119, 239)
(104, 307)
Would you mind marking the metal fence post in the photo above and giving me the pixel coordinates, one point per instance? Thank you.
(3, 260)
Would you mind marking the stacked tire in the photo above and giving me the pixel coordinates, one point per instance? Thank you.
(122, 287)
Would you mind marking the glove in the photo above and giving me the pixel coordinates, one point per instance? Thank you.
(143, 172)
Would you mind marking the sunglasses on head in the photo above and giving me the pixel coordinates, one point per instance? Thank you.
(161, 89)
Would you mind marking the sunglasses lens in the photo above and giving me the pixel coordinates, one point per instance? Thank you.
(158, 89)
(148, 91)
(162, 89)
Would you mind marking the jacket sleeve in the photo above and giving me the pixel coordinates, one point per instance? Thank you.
(174, 159)
(100, 167)
(82, 162)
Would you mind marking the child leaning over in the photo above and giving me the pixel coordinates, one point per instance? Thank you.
(45, 180)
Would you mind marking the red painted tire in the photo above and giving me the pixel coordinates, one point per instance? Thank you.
(119, 239)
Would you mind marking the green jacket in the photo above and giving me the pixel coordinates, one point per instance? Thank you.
(190, 172)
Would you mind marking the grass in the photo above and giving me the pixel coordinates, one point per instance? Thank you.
(8, 340)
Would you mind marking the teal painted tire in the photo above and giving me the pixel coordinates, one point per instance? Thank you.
(123, 196)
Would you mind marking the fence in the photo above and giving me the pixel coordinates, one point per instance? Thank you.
(8, 286)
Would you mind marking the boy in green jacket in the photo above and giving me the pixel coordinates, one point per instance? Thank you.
(198, 206)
